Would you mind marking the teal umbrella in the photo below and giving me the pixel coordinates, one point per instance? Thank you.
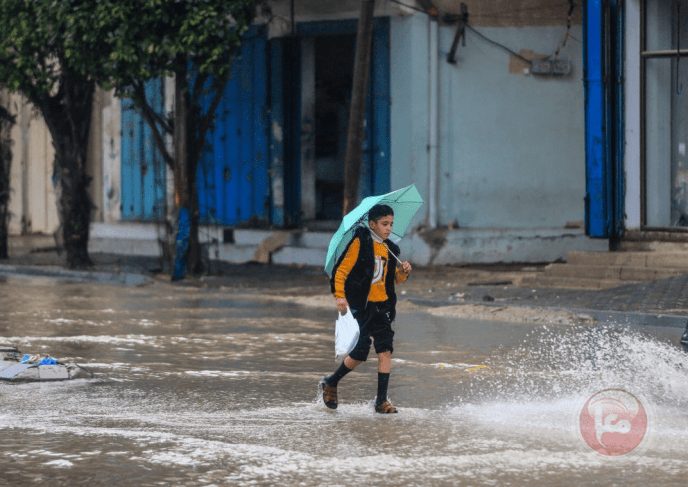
(405, 202)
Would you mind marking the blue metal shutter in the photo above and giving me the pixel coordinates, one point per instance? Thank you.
(232, 176)
(142, 167)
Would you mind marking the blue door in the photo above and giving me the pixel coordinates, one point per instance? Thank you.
(142, 166)
(232, 175)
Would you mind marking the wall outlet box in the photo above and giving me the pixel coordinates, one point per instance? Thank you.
(540, 66)
(561, 67)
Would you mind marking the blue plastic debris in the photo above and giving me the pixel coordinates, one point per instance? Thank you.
(28, 359)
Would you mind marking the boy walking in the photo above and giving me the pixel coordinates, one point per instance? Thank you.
(363, 279)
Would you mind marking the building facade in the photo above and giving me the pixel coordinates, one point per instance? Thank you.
(482, 108)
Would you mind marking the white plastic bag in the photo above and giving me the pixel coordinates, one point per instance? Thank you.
(345, 335)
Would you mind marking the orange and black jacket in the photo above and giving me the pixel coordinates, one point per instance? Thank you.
(360, 277)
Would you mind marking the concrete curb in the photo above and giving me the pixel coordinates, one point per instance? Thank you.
(637, 318)
(120, 278)
(602, 316)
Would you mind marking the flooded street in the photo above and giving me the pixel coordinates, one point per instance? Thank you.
(205, 387)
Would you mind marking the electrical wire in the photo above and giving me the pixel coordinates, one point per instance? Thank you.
(472, 29)
(572, 6)
(513, 53)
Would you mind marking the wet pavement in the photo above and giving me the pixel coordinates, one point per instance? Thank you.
(668, 295)
(663, 302)
(212, 381)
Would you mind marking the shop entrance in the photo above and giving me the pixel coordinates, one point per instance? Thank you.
(334, 61)
(318, 77)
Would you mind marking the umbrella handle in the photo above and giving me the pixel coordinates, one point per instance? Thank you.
(383, 243)
(398, 259)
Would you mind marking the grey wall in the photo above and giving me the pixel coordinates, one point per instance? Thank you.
(511, 145)
(409, 110)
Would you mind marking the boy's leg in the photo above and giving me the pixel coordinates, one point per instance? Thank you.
(384, 346)
(345, 367)
(382, 405)
(384, 362)
(329, 383)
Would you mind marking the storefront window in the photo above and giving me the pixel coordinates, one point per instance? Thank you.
(665, 114)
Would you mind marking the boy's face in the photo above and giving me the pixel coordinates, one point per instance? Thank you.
(382, 227)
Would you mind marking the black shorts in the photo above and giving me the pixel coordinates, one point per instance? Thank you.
(374, 322)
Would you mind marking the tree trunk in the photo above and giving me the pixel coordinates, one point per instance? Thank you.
(73, 204)
(181, 107)
(68, 116)
(188, 145)
(5, 160)
(356, 131)
(184, 182)
(194, 261)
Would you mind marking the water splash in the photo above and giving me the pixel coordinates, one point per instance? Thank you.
(554, 364)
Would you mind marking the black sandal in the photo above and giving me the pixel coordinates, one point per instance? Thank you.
(329, 394)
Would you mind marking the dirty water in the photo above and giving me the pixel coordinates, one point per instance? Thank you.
(200, 387)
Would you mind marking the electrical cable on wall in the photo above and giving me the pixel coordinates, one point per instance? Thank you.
(572, 7)
(513, 53)
(466, 25)
(548, 66)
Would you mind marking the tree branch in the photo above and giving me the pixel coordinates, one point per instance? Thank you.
(64, 83)
(206, 120)
(141, 92)
(204, 124)
(148, 115)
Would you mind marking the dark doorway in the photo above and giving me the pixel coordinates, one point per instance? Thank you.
(334, 61)
(312, 75)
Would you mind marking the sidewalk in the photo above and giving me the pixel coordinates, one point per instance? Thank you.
(662, 302)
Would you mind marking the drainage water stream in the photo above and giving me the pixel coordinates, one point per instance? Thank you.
(199, 387)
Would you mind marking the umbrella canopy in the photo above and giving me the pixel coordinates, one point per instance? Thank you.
(405, 202)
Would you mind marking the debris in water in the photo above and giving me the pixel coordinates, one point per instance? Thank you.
(480, 367)
(14, 367)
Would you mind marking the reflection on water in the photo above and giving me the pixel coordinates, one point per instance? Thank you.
(195, 387)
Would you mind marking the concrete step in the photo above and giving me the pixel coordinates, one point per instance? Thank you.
(612, 272)
(125, 230)
(314, 240)
(250, 237)
(662, 259)
(125, 246)
(236, 254)
(318, 240)
(30, 242)
(147, 231)
(231, 245)
(571, 282)
(300, 256)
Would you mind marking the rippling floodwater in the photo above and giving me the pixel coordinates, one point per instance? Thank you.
(197, 387)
